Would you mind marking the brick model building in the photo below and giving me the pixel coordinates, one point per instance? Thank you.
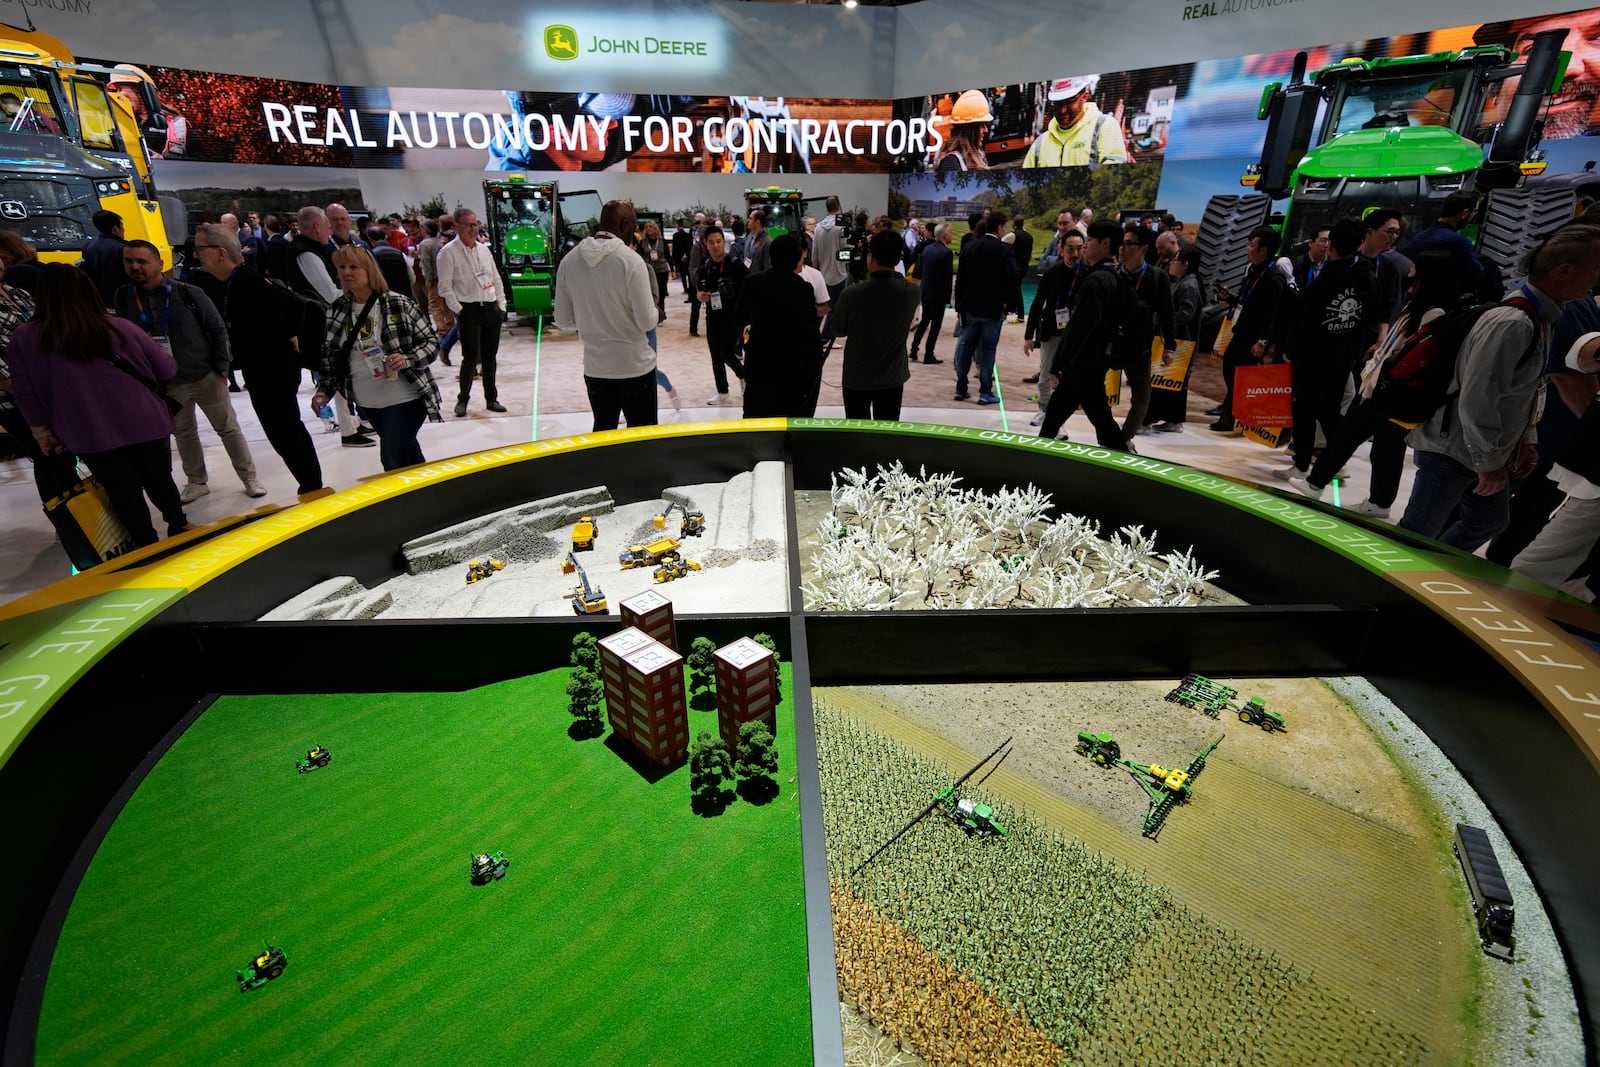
(644, 690)
(747, 689)
(651, 613)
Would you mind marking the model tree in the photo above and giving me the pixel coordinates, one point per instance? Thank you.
(766, 642)
(586, 651)
(702, 667)
(709, 767)
(757, 763)
(583, 700)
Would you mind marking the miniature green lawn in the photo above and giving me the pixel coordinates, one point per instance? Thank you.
(628, 929)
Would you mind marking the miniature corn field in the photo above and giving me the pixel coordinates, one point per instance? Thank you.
(1031, 949)
(898, 540)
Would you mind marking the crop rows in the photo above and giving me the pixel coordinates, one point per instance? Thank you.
(922, 1001)
(1097, 957)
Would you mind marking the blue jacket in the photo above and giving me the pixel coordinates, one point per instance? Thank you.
(937, 273)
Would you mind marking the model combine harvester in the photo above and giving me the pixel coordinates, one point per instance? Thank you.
(1213, 698)
(976, 819)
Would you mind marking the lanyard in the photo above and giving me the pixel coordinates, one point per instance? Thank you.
(1076, 270)
(1249, 285)
(1312, 270)
(144, 316)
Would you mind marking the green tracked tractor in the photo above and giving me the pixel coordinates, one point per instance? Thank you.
(1100, 749)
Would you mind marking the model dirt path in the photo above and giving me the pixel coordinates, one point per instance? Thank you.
(1363, 907)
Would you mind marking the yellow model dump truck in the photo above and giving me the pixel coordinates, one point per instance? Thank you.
(583, 534)
(72, 148)
(651, 554)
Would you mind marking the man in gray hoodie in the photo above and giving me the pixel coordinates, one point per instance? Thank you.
(1484, 435)
(603, 292)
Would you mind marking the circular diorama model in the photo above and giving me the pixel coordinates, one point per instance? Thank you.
(1211, 814)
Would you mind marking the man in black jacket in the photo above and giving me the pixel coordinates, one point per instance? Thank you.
(1102, 307)
(1152, 291)
(391, 261)
(1256, 323)
(984, 282)
(782, 352)
(936, 274)
(102, 257)
(1052, 311)
(263, 322)
(721, 278)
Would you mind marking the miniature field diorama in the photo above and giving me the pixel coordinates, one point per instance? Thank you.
(903, 541)
(604, 913)
(1084, 894)
(722, 546)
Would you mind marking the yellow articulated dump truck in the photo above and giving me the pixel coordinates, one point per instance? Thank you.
(71, 148)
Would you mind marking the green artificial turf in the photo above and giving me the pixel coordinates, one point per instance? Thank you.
(628, 929)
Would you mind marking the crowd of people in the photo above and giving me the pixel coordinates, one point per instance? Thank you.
(1505, 440)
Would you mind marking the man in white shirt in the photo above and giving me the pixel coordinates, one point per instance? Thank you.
(603, 292)
(469, 284)
(819, 287)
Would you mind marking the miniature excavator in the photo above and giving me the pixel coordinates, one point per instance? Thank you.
(263, 969)
(586, 599)
(674, 567)
(479, 569)
(649, 555)
(693, 524)
(488, 867)
(976, 819)
(584, 531)
(1213, 698)
(1167, 787)
(316, 756)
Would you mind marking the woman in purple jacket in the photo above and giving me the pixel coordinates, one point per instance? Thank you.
(91, 384)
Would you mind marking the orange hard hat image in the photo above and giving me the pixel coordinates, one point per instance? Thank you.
(971, 106)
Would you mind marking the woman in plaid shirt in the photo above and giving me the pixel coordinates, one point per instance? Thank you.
(376, 353)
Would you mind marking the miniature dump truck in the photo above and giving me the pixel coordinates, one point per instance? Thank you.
(1202, 694)
(651, 554)
(263, 969)
(1256, 713)
(479, 569)
(674, 568)
(1099, 748)
(316, 756)
(693, 524)
(1491, 897)
(584, 531)
(488, 867)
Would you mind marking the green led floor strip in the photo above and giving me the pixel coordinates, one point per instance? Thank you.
(538, 338)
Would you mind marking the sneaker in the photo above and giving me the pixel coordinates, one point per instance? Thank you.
(931, 359)
(1032, 379)
(357, 440)
(1367, 507)
(365, 429)
(1127, 447)
(1033, 399)
(496, 407)
(677, 401)
(1037, 420)
(444, 357)
(985, 398)
(962, 396)
(1146, 431)
(1014, 320)
(1302, 485)
(1284, 474)
(721, 400)
(1168, 427)
(694, 333)
(461, 409)
(251, 488)
(193, 491)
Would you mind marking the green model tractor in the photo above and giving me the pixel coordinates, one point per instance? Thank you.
(530, 225)
(1256, 713)
(976, 819)
(263, 969)
(1399, 132)
(1100, 749)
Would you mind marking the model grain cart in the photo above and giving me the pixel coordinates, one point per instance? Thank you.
(1256, 713)
(786, 208)
(651, 554)
(976, 819)
(1167, 787)
(586, 599)
(1400, 132)
(488, 867)
(73, 148)
(693, 524)
(479, 569)
(584, 531)
(316, 756)
(1203, 695)
(674, 568)
(1099, 748)
(263, 969)
(1491, 897)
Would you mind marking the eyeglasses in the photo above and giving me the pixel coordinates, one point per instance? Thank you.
(205, 248)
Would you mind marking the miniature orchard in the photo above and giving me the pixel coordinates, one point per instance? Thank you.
(897, 540)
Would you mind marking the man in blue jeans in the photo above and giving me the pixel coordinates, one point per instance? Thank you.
(984, 279)
(1484, 434)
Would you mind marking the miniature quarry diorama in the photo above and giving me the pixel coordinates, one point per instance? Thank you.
(1299, 902)
(721, 545)
(898, 540)
(625, 901)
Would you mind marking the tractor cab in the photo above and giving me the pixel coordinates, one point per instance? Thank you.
(786, 208)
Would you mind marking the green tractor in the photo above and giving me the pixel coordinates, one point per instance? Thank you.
(1100, 749)
(1399, 132)
(976, 819)
(529, 226)
(488, 867)
(786, 208)
(316, 756)
(263, 969)
(1256, 713)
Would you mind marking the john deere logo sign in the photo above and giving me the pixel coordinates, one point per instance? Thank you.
(561, 42)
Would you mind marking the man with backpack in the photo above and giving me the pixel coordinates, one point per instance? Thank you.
(1101, 310)
(1483, 433)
